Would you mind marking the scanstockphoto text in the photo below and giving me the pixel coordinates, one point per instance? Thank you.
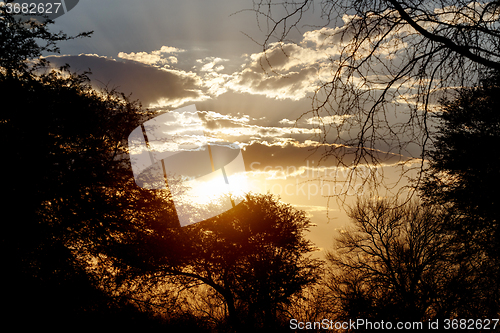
(311, 180)
(356, 324)
(364, 324)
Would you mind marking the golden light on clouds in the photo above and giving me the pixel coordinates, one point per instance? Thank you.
(161, 57)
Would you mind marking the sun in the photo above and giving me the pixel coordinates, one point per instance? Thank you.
(211, 188)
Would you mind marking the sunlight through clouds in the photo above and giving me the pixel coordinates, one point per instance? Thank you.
(290, 71)
(233, 128)
(159, 57)
(326, 120)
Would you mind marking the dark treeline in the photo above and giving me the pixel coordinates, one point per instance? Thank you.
(85, 248)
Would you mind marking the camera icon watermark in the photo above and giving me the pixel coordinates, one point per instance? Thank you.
(172, 152)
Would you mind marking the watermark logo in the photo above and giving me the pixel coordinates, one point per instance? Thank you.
(312, 180)
(172, 152)
(39, 9)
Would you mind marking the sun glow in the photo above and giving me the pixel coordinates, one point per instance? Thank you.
(213, 188)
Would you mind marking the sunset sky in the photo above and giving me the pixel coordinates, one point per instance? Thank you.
(170, 54)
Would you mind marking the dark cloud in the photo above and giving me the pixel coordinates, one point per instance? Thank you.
(289, 155)
(219, 122)
(296, 155)
(146, 83)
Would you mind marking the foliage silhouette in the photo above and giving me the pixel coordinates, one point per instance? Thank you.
(20, 43)
(463, 169)
(254, 256)
(463, 175)
(67, 177)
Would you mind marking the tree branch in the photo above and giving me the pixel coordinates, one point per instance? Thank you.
(462, 50)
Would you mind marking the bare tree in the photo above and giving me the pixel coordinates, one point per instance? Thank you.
(399, 264)
(392, 59)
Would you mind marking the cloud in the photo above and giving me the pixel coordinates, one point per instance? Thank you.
(241, 129)
(286, 121)
(151, 85)
(323, 37)
(296, 159)
(245, 133)
(294, 86)
(244, 130)
(326, 120)
(284, 71)
(471, 14)
(211, 64)
(143, 57)
(283, 57)
(276, 146)
(294, 70)
(159, 58)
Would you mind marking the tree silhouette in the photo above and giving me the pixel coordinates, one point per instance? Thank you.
(398, 263)
(254, 257)
(67, 180)
(463, 173)
(462, 170)
(390, 62)
(23, 40)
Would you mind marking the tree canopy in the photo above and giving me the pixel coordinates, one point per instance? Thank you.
(463, 165)
(463, 173)
(24, 40)
(67, 179)
(255, 257)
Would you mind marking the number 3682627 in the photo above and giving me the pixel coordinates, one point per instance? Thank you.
(33, 8)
